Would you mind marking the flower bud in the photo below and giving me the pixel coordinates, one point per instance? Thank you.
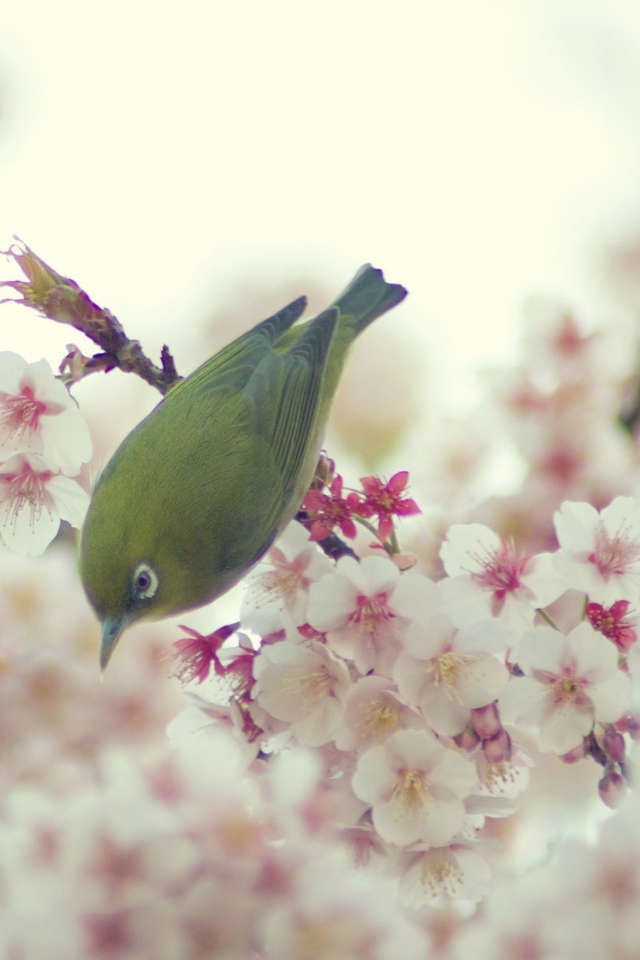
(51, 294)
(573, 756)
(468, 740)
(486, 721)
(612, 789)
(613, 743)
(497, 749)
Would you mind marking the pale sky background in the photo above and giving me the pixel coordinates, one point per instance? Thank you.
(478, 152)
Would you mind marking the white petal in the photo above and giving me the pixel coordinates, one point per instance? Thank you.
(576, 524)
(70, 499)
(622, 518)
(378, 574)
(611, 697)
(481, 681)
(564, 728)
(66, 441)
(542, 578)
(46, 388)
(490, 636)
(426, 640)
(465, 601)
(522, 700)
(331, 600)
(443, 712)
(595, 655)
(12, 368)
(415, 597)
(542, 648)
(466, 547)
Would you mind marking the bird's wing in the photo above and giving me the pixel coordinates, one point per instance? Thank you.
(234, 364)
(285, 392)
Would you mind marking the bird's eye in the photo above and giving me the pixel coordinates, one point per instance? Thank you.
(145, 582)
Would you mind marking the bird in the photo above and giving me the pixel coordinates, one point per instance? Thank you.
(199, 490)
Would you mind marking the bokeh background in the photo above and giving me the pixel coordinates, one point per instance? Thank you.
(182, 159)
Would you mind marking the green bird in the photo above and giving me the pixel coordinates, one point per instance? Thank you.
(198, 491)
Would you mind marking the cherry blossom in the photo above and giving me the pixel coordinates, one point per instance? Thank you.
(33, 499)
(570, 683)
(277, 591)
(38, 415)
(386, 501)
(600, 552)
(328, 510)
(489, 578)
(196, 653)
(304, 685)
(373, 710)
(448, 672)
(416, 788)
(364, 609)
(615, 622)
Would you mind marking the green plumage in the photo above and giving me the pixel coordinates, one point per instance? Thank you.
(198, 491)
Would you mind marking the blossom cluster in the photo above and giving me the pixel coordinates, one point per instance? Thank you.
(44, 440)
(421, 697)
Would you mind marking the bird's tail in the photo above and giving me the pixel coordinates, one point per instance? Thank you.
(367, 297)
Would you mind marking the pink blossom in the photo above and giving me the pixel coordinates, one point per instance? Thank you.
(364, 609)
(600, 552)
(448, 672)
(33, 500)
(302, 685)
(38, 415)
(196, 652)
(415, 787)
(614, 622)
(386, 501)
(488, 578)
(328, 510)
(570, 683)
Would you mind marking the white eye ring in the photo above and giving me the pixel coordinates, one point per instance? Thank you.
(145, 582)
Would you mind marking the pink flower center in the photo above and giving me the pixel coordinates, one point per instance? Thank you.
(501, 570)
(565, 687)
(613, 556)
(501, 574)
(21, 413)
(27, 490)
(370, 612)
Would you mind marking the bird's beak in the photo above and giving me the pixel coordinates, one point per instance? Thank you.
(111, 631)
